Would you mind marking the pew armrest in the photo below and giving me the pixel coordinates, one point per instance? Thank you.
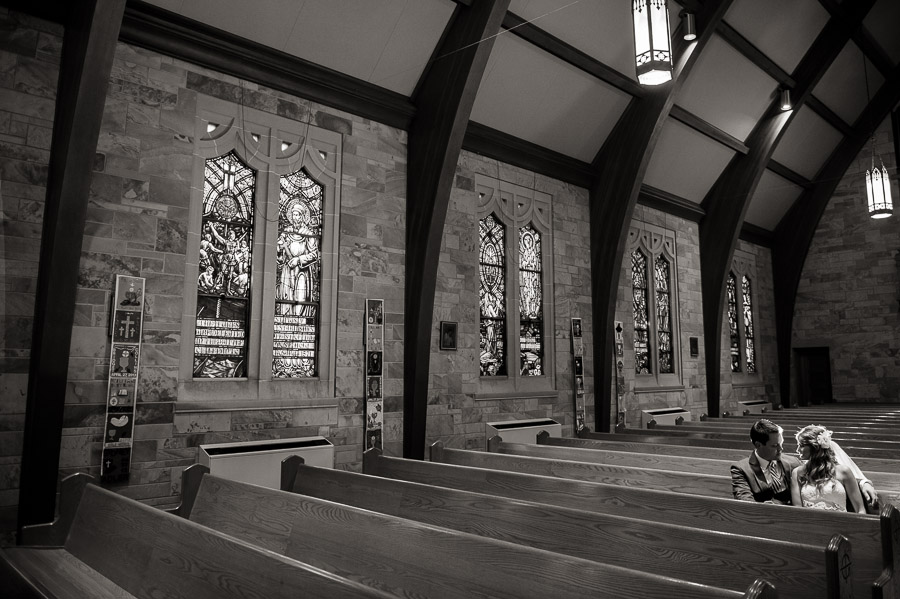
(289, 467)
(888, 584)
(190, 484)
(761, 589)
(53, 534)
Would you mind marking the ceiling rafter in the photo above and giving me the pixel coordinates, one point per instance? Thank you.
(89, 46)
(619, 168)
(443, 106)
(871, 49)
(567, 53)
(706, 128)
(727, 201)
(788, 173)
(794, 234)
(828, 115)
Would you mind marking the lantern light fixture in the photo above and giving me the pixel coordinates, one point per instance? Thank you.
(878, 184)
(652, 41)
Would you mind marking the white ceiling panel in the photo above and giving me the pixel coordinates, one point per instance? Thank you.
(529, 94)
(773, 198)
(686, 163)
(271, 24)
(782, 30)
(807, 143)
(727, 90)
(843, 87)
(385, 42)
(595, 28)
(882, 22)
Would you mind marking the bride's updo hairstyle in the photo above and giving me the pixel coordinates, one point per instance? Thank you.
(822, 460)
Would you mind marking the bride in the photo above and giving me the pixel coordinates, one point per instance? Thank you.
(821, 482)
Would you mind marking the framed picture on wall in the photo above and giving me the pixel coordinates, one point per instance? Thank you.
(448, 335)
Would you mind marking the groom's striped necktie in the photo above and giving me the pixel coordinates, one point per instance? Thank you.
(776, 476)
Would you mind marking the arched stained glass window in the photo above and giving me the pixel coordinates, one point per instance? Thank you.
(749, 347)
(641, 312)
(663, 316)
(223, 285)
(492, 271)
(531, 319)
(733, 326)
(298, 252)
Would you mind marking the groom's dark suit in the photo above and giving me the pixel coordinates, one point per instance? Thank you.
(748, 481)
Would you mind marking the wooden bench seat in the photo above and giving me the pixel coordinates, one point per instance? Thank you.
(649, 436)
(708, 485)
(876, 544)
(887, 483)
(707, 557)
(118, 547)
(789, 429)
(413, 559)
(858, 444)
(620, 443)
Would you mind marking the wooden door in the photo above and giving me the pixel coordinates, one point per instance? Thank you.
(813, 375)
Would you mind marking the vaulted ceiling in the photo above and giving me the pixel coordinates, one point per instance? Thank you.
(561, 74)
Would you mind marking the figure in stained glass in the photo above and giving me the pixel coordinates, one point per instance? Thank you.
(298, 268)
(640, 311)
(531, 339)
(734, 335)
(749, 347)
(492, 296)
(224, 262)
(663, 317)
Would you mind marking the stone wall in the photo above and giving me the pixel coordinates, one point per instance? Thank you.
(457, 408)
(848, 295)
(29, 69)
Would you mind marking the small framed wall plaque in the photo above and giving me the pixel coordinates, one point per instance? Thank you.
(448, 335)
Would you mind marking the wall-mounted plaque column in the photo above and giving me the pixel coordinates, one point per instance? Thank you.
(374, 374)
(578, 370)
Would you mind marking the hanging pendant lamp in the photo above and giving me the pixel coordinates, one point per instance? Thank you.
(652, 41)
(878, 185)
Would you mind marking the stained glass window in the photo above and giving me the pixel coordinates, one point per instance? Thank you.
(223, 285)
(641, 312)
(663, 317)
(492, 271)
(531, 319)
(733, 333)
(298, 253)
(749, 347)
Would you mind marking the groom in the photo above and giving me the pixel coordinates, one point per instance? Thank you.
(765, 476)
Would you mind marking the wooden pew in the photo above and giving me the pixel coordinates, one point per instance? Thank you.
(620, 443)
(714, 558)
(875, 542)
(648, 436)
(789, 429)
(413, 559)
(860, 444)
(118, 547)
(887, 484)
(706, 485)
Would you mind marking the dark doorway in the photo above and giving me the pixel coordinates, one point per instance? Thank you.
(813, 375)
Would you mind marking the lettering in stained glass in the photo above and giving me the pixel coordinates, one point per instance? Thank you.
(749, 347)
(733, 332)
(641, 313)
(663, 316)
(531, 320)
(298, 252)
(223, 285)
(492, 295)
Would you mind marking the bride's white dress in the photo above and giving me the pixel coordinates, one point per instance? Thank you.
(828, 495)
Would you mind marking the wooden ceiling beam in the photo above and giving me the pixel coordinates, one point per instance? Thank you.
(619, 169)
(828, 115)
(795, 233)
(567, 53)
(755, 55)
(443, 106)
(727, 201)
(701, 126)
(788, 173)
(89, 46)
